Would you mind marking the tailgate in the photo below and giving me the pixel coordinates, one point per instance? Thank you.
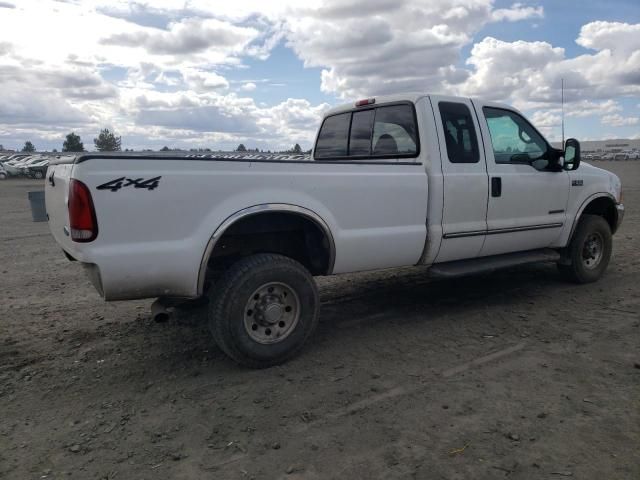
(56, 197)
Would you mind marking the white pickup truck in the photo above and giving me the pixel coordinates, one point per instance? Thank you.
(460, 185)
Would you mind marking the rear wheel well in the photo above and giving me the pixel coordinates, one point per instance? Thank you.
(286, 233)
(604, 207)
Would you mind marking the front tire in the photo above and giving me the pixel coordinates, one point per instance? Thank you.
(38, 175)
(263, 309)
(589, 251)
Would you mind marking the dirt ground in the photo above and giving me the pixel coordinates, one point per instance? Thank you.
(511, 375)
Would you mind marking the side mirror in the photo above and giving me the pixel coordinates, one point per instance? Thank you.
(571, 154)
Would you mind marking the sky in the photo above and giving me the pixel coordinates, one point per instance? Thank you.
(213, 74)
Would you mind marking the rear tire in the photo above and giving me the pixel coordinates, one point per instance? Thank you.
(3, 176)
(589, 251)
(263, 309)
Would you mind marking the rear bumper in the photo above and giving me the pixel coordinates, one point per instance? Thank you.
(93, 272)
(619, 216)
(124, 278)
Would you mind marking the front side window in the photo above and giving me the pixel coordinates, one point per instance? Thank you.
(459, 133)
(514, 140)
(333, 137)
(395, 131)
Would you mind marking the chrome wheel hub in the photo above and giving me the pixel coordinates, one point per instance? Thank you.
(271, 313)
(592, 250)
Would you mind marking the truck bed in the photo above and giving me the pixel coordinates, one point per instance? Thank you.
(157, 212)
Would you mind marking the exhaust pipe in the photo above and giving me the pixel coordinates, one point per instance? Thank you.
(159, 312)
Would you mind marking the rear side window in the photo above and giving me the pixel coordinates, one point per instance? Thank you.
(459, 133)
(333, 137)
(386, 131)
(395, 131)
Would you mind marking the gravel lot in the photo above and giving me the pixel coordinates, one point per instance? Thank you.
(512, 375)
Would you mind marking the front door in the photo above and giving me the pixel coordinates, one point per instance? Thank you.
(465, 183)
(527, 200)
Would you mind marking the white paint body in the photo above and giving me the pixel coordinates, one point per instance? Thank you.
(391, 214)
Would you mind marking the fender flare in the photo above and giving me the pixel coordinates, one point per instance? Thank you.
(584, 204)
(255, 210)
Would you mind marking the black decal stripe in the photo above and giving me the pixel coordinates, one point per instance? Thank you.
(474, 233)
(553, 212)
(497, 231)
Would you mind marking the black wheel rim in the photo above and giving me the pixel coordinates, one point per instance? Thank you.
(592, 250)
(271, 313)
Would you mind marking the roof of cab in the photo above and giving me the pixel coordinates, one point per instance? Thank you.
(400, 97)
(405, 97)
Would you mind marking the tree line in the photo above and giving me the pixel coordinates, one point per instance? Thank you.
(107, 141)
(297, 149)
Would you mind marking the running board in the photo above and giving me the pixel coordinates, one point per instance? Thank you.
(459, 268)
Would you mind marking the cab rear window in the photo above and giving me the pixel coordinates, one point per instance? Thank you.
(395, 131)
(333, 138)
(387, 131)
(360, 137)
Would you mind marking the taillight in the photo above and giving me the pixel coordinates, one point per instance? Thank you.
(82, 215)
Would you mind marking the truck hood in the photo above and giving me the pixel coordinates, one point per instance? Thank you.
(610, 181)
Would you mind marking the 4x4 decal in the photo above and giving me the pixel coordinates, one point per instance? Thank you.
(123, 182)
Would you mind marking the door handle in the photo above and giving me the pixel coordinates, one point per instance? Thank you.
(496, 186)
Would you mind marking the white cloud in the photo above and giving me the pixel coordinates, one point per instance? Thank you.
(529, 74)
(293, 119)
(5, 48)
(517, 12)
(610, 35)
(161, 68)
(617, 120)
(501, 69)
(186, 37)
(200, 80)
(546, 119)
(588, 108)
(402, 45)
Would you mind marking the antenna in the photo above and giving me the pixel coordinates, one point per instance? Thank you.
(562, 106)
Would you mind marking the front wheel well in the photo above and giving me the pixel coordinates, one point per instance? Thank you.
(291, 234)
(604, 207)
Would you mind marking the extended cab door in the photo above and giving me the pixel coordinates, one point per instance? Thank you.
(527, 200)
(465, 180)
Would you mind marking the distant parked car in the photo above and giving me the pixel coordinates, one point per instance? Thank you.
(21, 167)
(621, 156)
(24, 165)
(16, 157)
(37, 170)
(13, 166)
